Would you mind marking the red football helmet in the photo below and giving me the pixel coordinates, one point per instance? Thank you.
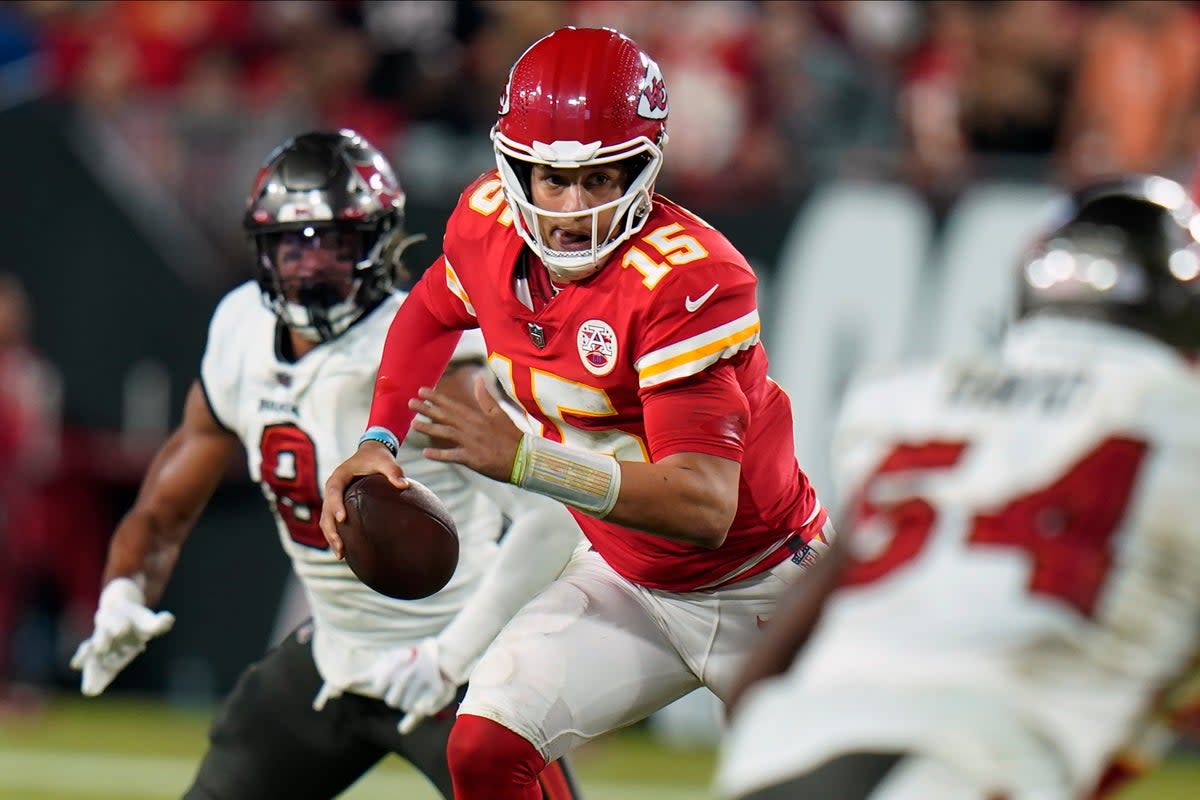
(582, 97)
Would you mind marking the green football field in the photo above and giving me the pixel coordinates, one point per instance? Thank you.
(121, 749)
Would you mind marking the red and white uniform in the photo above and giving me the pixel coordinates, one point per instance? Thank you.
(1024, 585)
(657, 353)
(298, 420)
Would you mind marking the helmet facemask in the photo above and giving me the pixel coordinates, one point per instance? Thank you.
(321, 302)
(515, 163)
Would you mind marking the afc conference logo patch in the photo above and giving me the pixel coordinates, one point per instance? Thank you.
(597, 344)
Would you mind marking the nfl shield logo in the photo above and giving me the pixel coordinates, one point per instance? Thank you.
(597, 344)
(537, 335)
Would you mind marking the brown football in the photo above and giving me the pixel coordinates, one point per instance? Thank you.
(401, 543)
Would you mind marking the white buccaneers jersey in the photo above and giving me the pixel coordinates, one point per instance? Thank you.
(1025, 527)
(300, 420)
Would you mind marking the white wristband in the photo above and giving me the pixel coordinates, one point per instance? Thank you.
(584, 480)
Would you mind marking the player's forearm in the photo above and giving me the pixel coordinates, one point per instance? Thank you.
(674, 503)
(181, 479)
(689, 497)
(533, 552)
(145, 547)
(416, 352)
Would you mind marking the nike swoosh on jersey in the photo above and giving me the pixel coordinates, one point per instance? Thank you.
(692, 305)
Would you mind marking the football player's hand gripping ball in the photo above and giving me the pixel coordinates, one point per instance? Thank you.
(123, 627)
(370, 458)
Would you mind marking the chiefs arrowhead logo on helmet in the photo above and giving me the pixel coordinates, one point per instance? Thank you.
(653, 102)
(504, 95)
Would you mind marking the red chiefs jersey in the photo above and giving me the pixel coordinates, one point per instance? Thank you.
(674, 301)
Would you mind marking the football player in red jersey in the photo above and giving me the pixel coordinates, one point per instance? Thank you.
(628, 331)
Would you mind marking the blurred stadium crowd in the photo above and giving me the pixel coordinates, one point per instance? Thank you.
(769, 100)
(769, 97)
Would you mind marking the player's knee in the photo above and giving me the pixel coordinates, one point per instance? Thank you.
(480, 749)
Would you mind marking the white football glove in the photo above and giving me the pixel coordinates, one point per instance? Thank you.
(123, 626)
(414, 682)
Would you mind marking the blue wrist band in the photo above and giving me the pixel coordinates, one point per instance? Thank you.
(378, 433)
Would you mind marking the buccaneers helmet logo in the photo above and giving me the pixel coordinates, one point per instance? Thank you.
(381, 182)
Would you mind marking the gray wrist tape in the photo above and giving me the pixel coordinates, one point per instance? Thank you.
(584, 480)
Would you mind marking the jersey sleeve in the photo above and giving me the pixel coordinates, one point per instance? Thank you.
(693, 325)
(467, 233)
(220, 366)
(1167, 415)
(416, 352)
(694, 319)
(428, 325)
(446, 297)
(706, 413)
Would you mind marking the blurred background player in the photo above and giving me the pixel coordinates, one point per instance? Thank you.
(628, 330)
(1016, 589)
(29, 427)
(287, 372)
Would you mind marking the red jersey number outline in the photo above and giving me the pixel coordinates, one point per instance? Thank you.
(1059, 525)
(289, 470)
